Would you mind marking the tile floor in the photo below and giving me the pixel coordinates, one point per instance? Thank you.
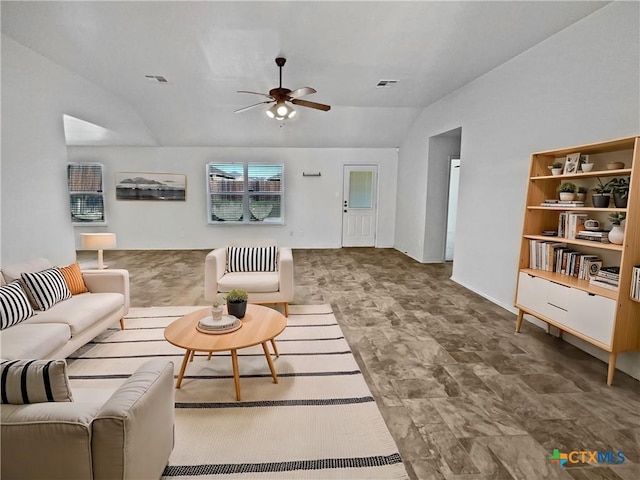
(463, 396)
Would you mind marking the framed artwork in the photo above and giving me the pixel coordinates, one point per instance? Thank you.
(151, 186)
(571, 163)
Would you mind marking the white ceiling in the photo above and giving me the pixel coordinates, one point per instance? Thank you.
(208, 50)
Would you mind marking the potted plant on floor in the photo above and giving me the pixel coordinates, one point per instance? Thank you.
(556, 168)
(237, 302)
(601, 195)
(567, 191)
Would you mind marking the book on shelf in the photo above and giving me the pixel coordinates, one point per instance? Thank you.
(592, 239)
(562, 203)
(593, 267)
(575, 224)
(595, 233)
(598, 283)
(635, 283)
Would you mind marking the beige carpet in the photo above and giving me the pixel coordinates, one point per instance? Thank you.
(319, 422)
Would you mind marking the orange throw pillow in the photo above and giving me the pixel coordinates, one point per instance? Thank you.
(73, 278)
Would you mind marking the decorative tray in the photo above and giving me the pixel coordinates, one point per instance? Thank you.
(227, 324)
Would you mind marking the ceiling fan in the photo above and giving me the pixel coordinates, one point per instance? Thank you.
(281, 110)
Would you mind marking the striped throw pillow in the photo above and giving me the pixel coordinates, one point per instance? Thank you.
(34, 381)
(46, 287)
(14, 305)
(252, 259)
(73, 278)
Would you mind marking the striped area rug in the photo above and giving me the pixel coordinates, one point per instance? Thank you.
(319, 422)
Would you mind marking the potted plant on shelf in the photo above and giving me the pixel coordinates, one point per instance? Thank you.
(601, 195)
(556, 168)
(217, 307)
(582, 193)
(237, 302)
(585, 164)
(616, 234)
(620, 190)
(567, 191)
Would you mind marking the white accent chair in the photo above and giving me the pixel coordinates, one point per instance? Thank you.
(263, 287)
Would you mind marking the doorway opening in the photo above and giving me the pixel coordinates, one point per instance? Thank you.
(452, 208)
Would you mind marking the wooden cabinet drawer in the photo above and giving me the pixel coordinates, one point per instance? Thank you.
(591, 315)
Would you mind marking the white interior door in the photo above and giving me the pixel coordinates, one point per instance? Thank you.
(359, 205)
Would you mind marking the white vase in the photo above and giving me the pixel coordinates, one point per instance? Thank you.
(616, 235)
(587, 167)
(216, 312)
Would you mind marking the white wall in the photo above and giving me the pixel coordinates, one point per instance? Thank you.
(313, 208)
(579, 86)
(35, 95)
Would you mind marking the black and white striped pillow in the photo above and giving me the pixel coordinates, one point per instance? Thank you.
(34, 381)
(46, 287)
(14, 305)
(252, 259)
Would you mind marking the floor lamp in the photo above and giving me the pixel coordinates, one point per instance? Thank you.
(99, 242)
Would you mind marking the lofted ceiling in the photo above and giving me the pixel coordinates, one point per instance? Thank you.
(208, 50)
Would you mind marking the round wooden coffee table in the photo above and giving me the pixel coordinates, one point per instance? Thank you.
(259, 326)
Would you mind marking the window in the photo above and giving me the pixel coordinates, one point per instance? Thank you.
(244, 193)
(86, 194)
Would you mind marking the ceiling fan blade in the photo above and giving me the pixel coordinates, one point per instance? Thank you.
(251, 106)
(256, 93)
(301, 92)
(306, 103)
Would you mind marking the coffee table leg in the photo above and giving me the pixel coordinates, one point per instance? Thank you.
(187, 354)
(193, 352)
(236, 374)
(275, 349)
(270, 362)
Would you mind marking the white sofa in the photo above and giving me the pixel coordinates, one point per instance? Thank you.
(127, 435)
(69, 324)
(270, 287)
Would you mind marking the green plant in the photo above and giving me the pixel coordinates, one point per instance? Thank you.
(617, 217)
(601, 188)
(237, 295)
(582, 189)
(567, 187)
(219, 300)
(619, 185)
(555, 165)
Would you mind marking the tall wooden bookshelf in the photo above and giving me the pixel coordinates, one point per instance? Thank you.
(608, 319)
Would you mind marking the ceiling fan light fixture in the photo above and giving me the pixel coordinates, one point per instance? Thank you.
(280, 111)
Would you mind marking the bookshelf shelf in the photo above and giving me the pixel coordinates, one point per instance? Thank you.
(608, 319)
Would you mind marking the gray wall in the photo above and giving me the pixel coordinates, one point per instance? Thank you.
(579, 86)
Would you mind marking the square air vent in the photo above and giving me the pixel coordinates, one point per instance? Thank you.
(386, 83)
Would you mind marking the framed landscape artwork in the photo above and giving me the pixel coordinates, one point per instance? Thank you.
(151, 186)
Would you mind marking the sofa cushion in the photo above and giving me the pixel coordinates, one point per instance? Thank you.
(252, 282)
(33, 341)
(252, 259)
(14, 305)
(47, 287)
(34, 381)
(12, 272)
(73, 278)
(80, 311)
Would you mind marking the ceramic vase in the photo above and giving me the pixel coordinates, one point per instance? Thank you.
(567, 196)
(216, 312)
(237, 309)
(616, 235)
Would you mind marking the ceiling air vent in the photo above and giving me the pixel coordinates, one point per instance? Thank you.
(156, 78)
(386, 83)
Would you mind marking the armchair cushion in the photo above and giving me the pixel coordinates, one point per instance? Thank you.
(255, 282)
(34, 381)
(252, 259)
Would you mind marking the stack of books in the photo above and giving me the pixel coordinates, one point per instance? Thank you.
(593, 235)
(562, 203)
(607, 277)
(227, 324)
(635, 283)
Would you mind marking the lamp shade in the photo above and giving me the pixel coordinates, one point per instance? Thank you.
(98, 241)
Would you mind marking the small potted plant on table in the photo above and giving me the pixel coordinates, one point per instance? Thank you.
(237, 302)
(217, 307)
(567, 191)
